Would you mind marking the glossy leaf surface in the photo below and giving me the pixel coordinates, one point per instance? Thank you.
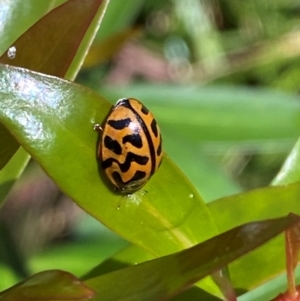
(53, 285)
(17, 16)
(49, 46)
(162, 278)
(54, 39)
(133, 255)
(270, 202)
(53, 120)
(14, 20)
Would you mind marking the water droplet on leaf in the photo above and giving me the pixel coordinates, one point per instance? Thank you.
(12, 52)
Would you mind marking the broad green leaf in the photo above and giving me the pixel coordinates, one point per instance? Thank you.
(162, 278)
(265, 203)
(14, 19)
(49, 46)
(53, 285)
(54, 44)
(133, 255)
(17, 16)
(53, 120)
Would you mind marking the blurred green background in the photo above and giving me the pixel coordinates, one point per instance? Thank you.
(222, 79)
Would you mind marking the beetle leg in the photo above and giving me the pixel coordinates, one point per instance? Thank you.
(98, 128)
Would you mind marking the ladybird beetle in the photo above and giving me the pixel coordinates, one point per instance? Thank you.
(130, 149)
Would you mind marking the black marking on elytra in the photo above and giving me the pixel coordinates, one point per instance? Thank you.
(108, 163)
(112, 145)
(134, 139)
(139, 175)
(154, 127)
(148, 136)
(159, 149)
(144, 110)
(124, 103)
(119, 124)
(124, 167)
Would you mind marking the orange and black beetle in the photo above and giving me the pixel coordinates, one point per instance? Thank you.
(130, 149)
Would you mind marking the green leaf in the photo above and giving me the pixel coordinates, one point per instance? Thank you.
(54, 43)
(17, 16)
(270, 202)
(162, 278)
(14, 18)
(49, 46)
(49, 286)
(290, 171)
(53, 120)
(133, 255)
